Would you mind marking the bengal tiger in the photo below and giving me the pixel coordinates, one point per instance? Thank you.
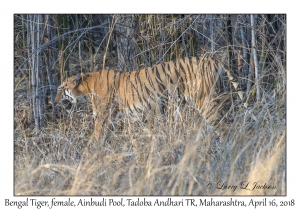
(195, 79)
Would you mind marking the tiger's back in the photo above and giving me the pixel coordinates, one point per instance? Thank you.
(194, 78)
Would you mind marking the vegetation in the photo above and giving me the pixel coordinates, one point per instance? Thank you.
(170, 154)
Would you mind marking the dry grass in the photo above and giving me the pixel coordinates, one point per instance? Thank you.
(172, 156)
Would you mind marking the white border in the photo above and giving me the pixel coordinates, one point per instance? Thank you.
(219, 6)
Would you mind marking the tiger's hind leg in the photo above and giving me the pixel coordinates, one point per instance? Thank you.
(209, 109)
(218, 116)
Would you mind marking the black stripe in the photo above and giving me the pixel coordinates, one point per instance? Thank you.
(190, 68)
(146, 99)
(115, 78)
(126, 87)
(149, 94)
(126, 79)
(107, 79)
(176, 69)
(149, 78)
(158, 73)
(183, 70)
(136, 88)
(181, 67)
(139, 82)
(161, 86)
(158, 79)
(169, 75)
(137, 110)
(163, 65)
(132, 87)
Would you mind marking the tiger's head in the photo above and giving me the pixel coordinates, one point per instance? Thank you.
(70, 90)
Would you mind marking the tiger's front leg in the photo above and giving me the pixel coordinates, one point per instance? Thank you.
(101, 124)
(103, 119)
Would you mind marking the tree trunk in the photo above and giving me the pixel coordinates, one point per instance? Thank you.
(253, 42)
(34, 86)
(246, 68)
(230, 43)
(49, 58)
(62, 62)
(212, 33)
(39, 75)
(125, 27)
(38, 81)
